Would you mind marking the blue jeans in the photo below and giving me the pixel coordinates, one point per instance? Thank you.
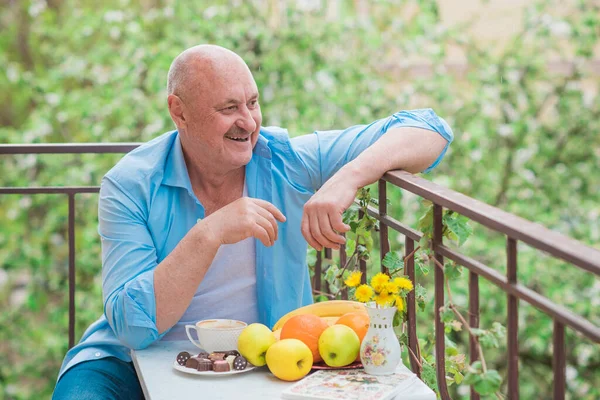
(107, 378)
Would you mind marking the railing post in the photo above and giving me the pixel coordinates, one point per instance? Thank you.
(71, 269)
(473, 322)
(558, 361)
(384, 247)
(440, 346)
(411, 317)
(343, 260)
(513, 321)
(362, 263)
(317, 276)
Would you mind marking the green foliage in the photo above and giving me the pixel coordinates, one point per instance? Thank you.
(393, 262)
(526, 141)
(484, 383)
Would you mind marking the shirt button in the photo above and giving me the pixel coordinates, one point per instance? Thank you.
(97, 354)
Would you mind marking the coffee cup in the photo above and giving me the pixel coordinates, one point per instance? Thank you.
(216, 334)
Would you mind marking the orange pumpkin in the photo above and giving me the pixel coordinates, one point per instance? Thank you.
(306, 328)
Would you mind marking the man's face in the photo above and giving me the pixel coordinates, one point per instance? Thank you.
(223, 117)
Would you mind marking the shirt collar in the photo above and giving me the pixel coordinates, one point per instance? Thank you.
(176, 173)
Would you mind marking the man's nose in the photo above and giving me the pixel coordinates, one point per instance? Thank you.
(246, 121)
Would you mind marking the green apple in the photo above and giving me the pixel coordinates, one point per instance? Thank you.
(339, 345)
(253, 343)
(289, 359)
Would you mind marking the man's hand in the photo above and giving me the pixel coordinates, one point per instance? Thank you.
(322, 220)
(246, 217)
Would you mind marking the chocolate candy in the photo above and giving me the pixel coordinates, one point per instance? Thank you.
(240, 363)
(183, 357)
(216, 356)
(220, 366)
(204, 364)
(232, 353)
(230, 360)
(192, 362)
(202, 354)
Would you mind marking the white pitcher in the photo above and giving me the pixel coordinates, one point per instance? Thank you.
(380, 349)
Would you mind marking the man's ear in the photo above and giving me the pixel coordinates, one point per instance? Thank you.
(176, 109)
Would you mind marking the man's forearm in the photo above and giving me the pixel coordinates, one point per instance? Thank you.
(177, 277)
(409, 149)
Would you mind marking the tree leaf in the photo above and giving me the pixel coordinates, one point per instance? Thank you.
(458, 378)
(429, 376)
(350, 247)
(422, 268)
(446, 314)
(488, 383)
(420, 296)
(425, 224)
(458, 225)
(392, 261)
(471, 378)
(452, 270)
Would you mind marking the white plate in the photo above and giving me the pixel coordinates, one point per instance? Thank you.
(210, 373)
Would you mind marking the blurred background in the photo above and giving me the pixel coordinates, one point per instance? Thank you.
(517, 80)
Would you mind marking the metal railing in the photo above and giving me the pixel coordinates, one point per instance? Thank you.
(514, 228)
(69, 191)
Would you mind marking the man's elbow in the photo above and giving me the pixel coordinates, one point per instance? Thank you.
(433, 148)
(137, 340)
(130, 324)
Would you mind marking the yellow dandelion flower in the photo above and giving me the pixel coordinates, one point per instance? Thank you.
(400, 303)
(354, 279)
(364, 293)
(404, 283)
(378, 281)
(392, 287)
(383, 298)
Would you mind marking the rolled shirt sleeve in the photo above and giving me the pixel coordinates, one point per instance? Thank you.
(325, 152)
(129, 258)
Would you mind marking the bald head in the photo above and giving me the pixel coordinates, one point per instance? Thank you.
(199, 63)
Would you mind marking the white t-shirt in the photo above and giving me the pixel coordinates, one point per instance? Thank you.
(228, 289)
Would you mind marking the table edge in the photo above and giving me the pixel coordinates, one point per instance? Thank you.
(140, 375)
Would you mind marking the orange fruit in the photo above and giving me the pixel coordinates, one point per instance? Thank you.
(306, 328)
(358, 321)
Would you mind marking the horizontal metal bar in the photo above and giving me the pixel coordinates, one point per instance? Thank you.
(554, 310)
(67, 148)
(395, 224)
(535, 235)
(50, 190)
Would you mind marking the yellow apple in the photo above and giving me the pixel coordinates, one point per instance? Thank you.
(253, 343)
(289, 359)
(339, 345)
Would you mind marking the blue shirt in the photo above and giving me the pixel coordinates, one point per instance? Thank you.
(147, 205)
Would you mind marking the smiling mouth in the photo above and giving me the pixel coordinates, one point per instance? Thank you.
(237, 139)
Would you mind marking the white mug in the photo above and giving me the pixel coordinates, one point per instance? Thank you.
(216, 334)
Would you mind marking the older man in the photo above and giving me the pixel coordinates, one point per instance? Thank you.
(212, 220)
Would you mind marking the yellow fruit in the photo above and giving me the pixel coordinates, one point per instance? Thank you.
(289, 359)
(331, 308)
(254, 341)
(339, 345)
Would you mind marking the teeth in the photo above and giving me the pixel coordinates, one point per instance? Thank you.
(239, 139)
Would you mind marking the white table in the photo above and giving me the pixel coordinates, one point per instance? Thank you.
(159, 380)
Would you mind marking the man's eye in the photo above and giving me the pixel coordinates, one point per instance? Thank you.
(231, 108)
(253, 103)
